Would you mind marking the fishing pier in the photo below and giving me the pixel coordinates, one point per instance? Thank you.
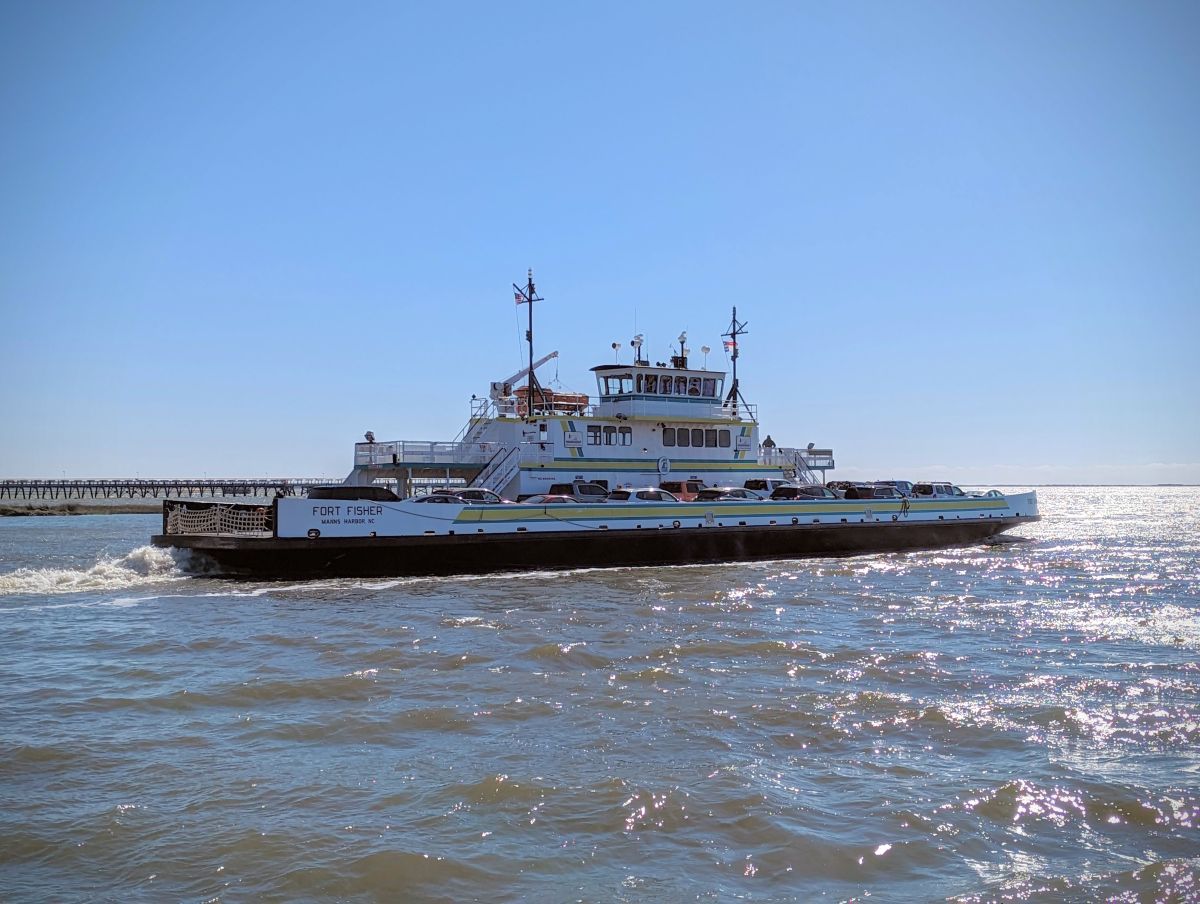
(158, 488)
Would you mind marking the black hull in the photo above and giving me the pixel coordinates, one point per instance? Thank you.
(286, 558)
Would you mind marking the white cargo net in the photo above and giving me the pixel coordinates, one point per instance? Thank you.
(219, 519)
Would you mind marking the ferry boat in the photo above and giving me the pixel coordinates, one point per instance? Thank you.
(651, 424)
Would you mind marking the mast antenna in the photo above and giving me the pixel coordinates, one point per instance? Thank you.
(527, 294)
(735, 329)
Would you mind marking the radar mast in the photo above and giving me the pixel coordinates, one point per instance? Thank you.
(527, 294)
(735, 329)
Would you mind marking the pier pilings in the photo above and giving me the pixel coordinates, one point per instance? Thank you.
(157, 488)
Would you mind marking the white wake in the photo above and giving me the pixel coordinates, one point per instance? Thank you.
(144, 565)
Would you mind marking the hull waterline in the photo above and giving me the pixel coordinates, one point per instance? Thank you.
(299, 557)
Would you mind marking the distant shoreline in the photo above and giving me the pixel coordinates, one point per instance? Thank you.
(80, 508)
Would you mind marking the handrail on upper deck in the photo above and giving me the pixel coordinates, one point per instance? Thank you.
(403, 452)
(651, 406)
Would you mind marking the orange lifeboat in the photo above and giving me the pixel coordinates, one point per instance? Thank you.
(551, 402)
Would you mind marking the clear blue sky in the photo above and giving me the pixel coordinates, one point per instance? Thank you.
(966, 237)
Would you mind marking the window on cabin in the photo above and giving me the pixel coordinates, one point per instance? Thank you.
(638, 382)
(618, 385)
(610, 436)
(710, 439)
(693, 386)
(651, 383)
(681, 386)
(666, 385)
(625, 434)
(593, 434)
(683, 436)
(723, 439)
(697, 436)
(710, 387)
(668, 436)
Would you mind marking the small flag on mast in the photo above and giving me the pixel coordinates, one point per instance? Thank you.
(730, 343)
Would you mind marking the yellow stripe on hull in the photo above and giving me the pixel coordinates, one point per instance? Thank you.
(691, 510)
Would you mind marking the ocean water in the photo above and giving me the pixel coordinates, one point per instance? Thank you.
(1017, 721)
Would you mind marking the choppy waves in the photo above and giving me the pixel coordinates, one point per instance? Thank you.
(1011, 722)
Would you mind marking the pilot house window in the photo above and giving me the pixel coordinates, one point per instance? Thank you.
(622, 385)
(593, 434)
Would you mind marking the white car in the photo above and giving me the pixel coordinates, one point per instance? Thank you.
(473, 495)
(643, 494)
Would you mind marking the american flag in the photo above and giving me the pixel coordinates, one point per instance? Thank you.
(729, 343)
(518, 297)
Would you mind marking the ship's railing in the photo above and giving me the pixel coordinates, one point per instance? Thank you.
(482, 410)
(500, 469)
(234, 519)
(407, 452)
(804, 461)
(663, 407)
(817, 458)
(666, 409)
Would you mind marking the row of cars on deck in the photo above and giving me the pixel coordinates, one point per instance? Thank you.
(755, 489)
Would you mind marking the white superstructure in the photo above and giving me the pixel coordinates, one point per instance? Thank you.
(647, 424)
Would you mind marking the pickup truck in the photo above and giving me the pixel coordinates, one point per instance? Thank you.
(580, 491)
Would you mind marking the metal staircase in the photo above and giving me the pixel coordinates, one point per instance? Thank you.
(805, 462)
(474, 428)
(500, 470)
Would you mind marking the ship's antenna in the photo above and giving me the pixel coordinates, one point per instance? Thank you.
(528, 295)
(735, 329)
(680, 360)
